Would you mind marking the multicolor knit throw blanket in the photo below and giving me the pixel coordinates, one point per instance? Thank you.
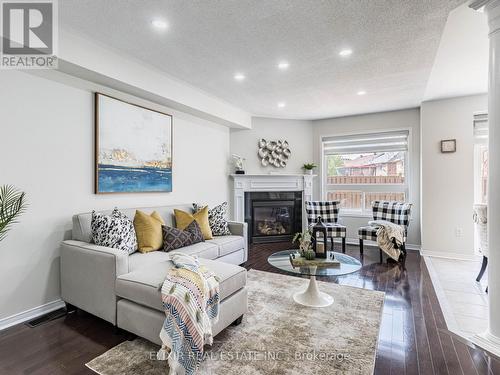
(190, 295)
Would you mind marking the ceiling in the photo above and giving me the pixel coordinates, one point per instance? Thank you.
(394, 45)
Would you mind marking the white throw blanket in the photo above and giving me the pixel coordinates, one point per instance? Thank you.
(390, 237)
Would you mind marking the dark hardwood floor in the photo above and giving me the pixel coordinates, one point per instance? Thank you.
(413, 336)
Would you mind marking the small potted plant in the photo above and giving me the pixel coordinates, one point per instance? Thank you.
(304, 239)
(308, 167)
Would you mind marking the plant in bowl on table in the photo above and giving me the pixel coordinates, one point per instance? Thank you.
(309, 255)
(304, 239)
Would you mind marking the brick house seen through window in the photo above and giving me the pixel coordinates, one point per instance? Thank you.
(359, 169)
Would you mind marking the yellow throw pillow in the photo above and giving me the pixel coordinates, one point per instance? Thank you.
(148, 231)
(183, 219)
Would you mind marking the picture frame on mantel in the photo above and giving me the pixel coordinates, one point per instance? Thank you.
(133, 147)
(448, 146)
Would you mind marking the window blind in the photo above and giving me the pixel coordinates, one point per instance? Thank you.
(481, 126)
(364, 143)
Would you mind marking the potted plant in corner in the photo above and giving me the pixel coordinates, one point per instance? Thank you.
(308, 167)
(12, 204)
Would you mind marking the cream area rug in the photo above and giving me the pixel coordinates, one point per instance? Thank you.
(277, 335)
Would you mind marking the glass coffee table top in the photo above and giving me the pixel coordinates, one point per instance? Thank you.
(348, 264)
(312, 296)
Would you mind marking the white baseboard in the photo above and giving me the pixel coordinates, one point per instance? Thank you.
(487, 341)
(449, 255)
(413, 247)
(33, 313)
(355, 241)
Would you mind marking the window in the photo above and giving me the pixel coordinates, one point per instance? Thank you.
(359, 169)
(481, 158)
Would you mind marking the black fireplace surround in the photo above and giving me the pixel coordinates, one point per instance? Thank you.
(273, 216)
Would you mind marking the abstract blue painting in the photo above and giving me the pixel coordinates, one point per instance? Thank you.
(133, 148)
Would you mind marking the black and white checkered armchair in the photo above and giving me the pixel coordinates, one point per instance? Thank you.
(329, 212)
(396, 212)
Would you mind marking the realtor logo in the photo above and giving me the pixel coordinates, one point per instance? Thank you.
(29, 34)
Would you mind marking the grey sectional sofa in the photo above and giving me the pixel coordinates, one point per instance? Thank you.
(125, 289)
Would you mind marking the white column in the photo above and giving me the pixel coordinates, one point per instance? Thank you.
(307, 196)
(239, 199)
(491, 339)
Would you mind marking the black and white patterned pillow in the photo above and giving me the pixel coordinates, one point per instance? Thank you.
(216, 218)
(115, 230)
(174, 238)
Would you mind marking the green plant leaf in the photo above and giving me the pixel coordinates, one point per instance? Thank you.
(12, 205)
(309, 166)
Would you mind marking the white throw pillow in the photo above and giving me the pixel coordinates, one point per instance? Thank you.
(216, 218)
(115, 230)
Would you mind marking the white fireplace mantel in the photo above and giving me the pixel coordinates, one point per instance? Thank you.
(269, 182)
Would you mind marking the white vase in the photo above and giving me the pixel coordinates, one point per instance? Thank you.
(309, 171)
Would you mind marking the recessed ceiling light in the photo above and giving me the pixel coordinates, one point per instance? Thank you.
(345, 52)
(361, 92)
(239, 77)
(283, 65)
(159, 24)
(281, 105)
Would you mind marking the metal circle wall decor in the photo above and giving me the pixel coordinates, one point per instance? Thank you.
(274, 153)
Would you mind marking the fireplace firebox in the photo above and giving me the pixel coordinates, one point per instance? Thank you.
(273, 216)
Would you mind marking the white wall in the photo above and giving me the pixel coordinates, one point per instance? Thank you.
(47, 150)
(404, 119)
(84, 58)
(447, 179)
(297, 132)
